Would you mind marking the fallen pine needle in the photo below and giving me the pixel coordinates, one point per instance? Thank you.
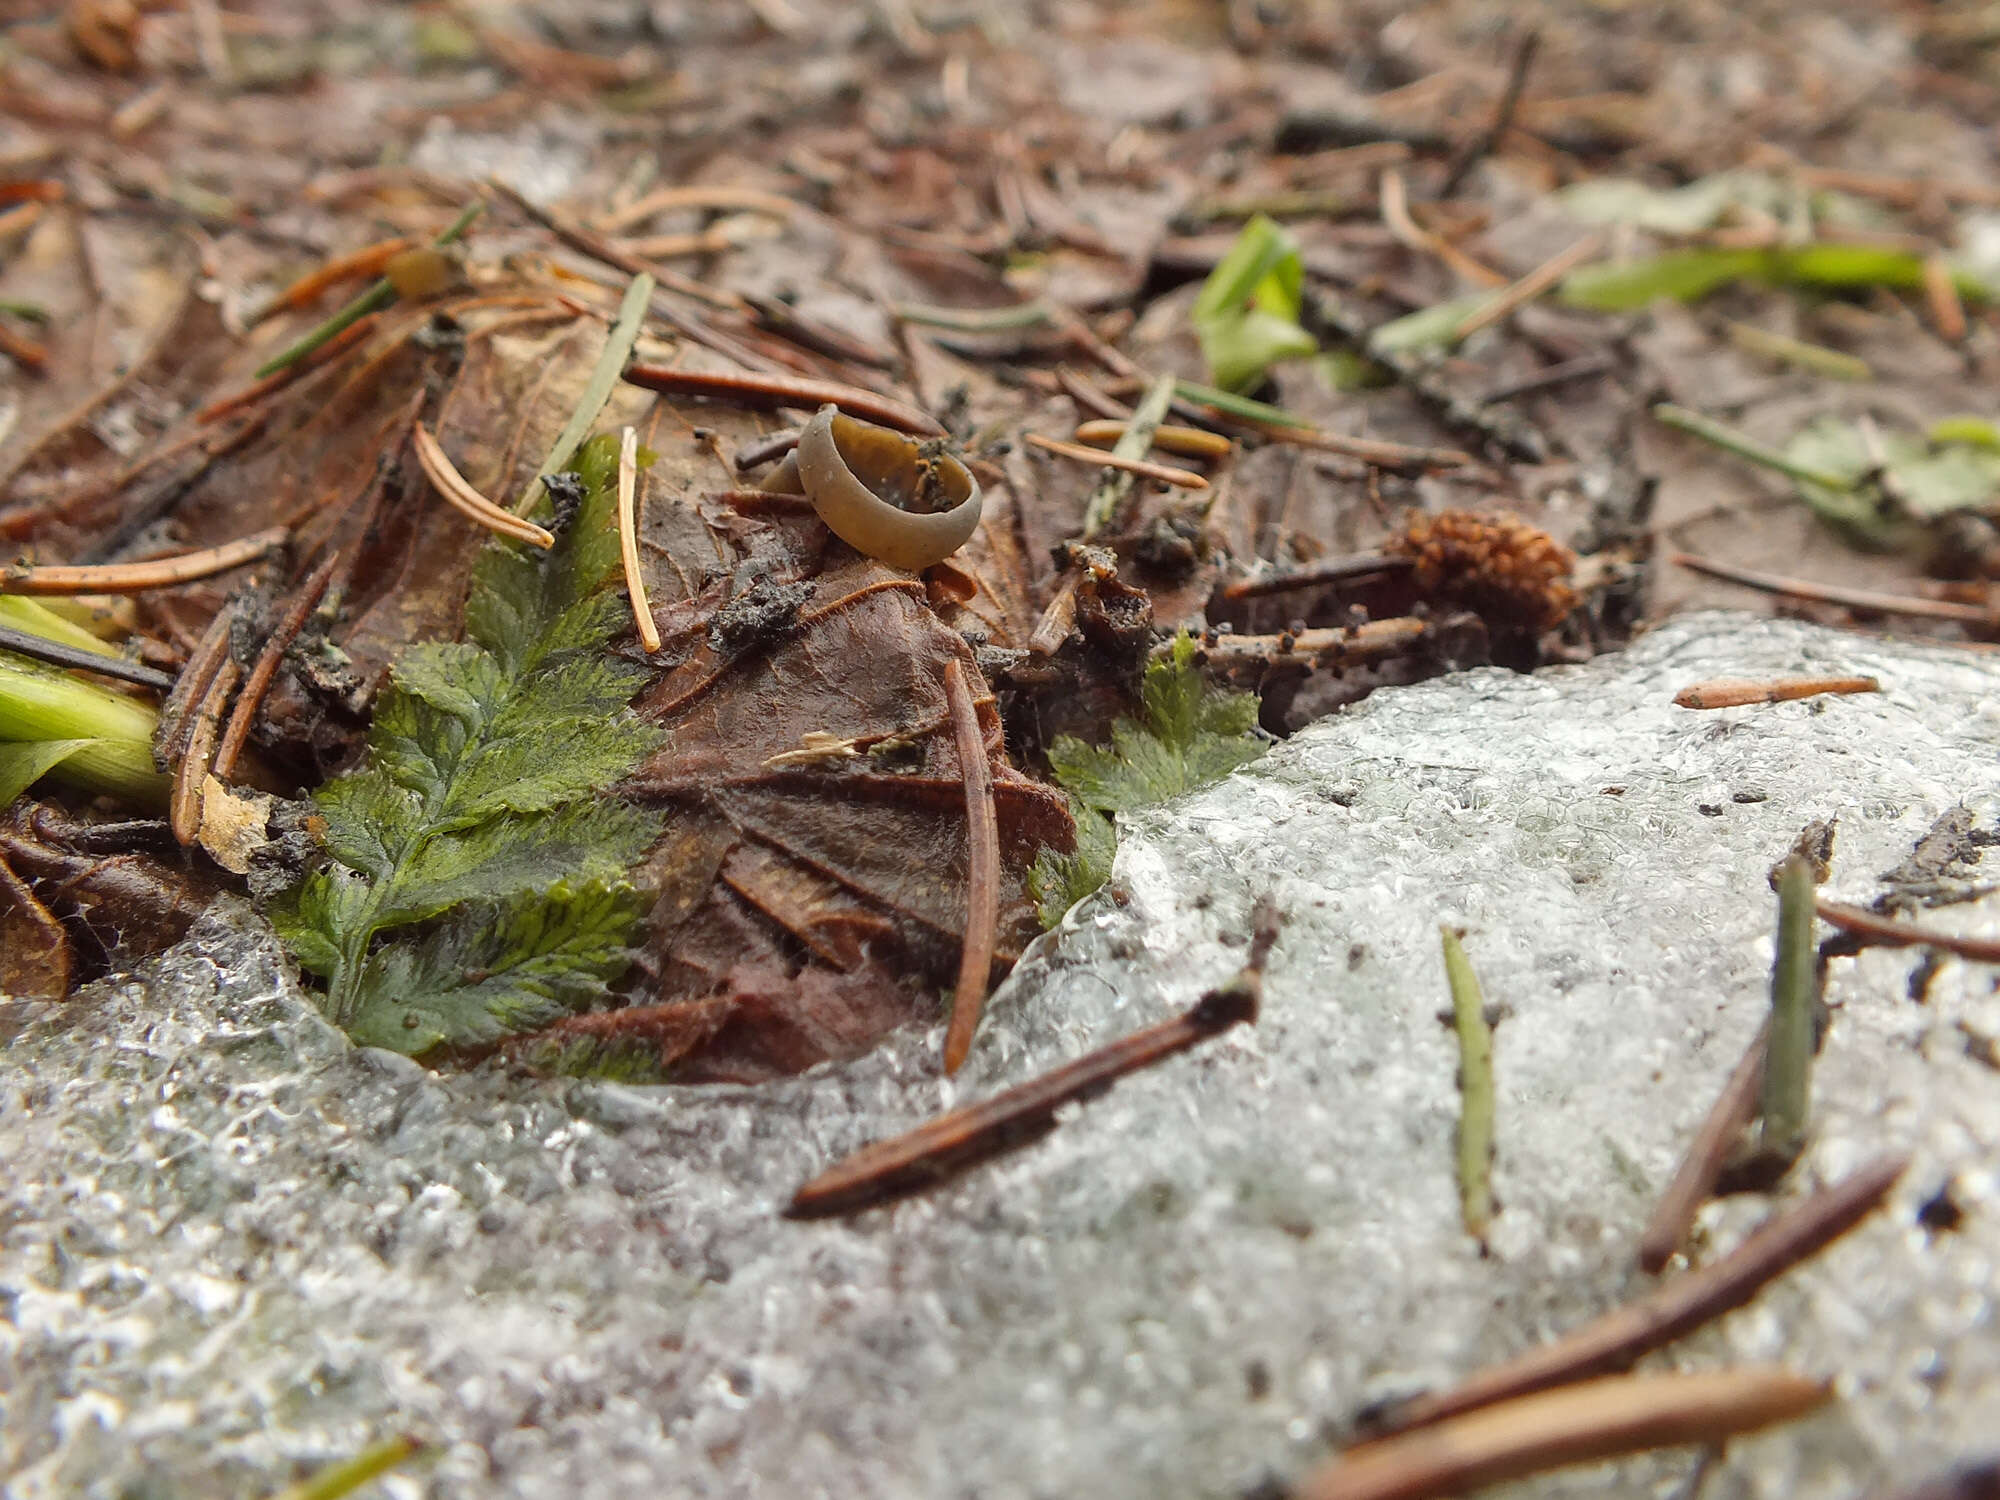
(1785, 1101)
(1733, 692)
(982, 880)
(137, 577)
(946, 1146)
(1881, 929)
(1186, 479)
(463, 498)
(184, 810)
(761, 392)
(1188, 442)
(1318, 575)
(1941, 293)
(1675, 1308)
(698, 196)
(1101, 505)
(1510, 300)
(628, 538)
(367, 261)
(1395, 204)
(597, 390)
(1734, 1108)
(1597, 1420)
(1475, 1086)
(266, 667)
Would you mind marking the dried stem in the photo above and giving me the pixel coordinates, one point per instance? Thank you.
(57, 654)
(1598, 1420)
(1396, 214)
(982, 879)
(1826, 593)
(1338, 570)
(1103, 502)
(135, 578)
(1881, 929)
(1188, 442)
(1504, 303)
(193, 769)
(1475, 1087)
(1331, 647)
(1786, 1099)
(1677, 1308)
(760, 392)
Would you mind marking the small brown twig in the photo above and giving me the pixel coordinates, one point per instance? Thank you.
(767, 450)
(265, 668)
(982, 877)
(60, 654)
(1091, 399)
(598, 248)
(184, 811)
(1396, 214)
(1597, 1420)
(943, 1147)
(1736, 692)
(1580, 368)
(760, 392)
(697, 196)
(1825, 593)
(1529, 287)
(1333, 647)
(1482, 145)
(1677, 1308)
(1881, 929)
(628, 539)
(365, 263)
(191, 687)
(1694, 1183)
(137, 577)
(277, 380)
(1317, 575)
(1941, 293)
(467, 501)
(1186, 479)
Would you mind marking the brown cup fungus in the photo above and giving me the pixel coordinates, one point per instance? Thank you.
(889, 496)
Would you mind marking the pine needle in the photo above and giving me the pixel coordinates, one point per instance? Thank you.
(596, 391)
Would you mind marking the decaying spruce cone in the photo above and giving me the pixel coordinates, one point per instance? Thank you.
(1513, 575)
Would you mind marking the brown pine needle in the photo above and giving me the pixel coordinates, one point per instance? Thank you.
(1826, 593)
(982, 880)
(184, 811)
(1185, 479)
(1318, 575)
(256, 390)
(135, 578)
(767, 392)
(1530, 286)
(1732, 692)
(697, 196)
(1188, 442)
(947, 1145)
(1597, 1420)
(365, 262)
(463, 498)
(244, 715)
(628, 538)
(1734, 1108)
(1941, 292)
(1676, 1308)
(1880, 929)
(1396, 215)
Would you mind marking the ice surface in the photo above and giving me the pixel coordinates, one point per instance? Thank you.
(232, 1247)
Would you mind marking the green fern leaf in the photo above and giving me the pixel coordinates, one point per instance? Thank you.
(476, 883)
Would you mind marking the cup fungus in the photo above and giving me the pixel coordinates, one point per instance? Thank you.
(892, 497)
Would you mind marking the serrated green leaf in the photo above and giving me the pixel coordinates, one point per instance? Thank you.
(1058, 881)
(490, 971)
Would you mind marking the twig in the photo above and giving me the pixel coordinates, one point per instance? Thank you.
(1036, 314)
(462, 497)
(1881, 929)
(56, 654)
(1826, 593)
(191, 686)
(374, 299)
(1276, 423)
(1734, 1108)
(597, 390)
(982, 875)
(1186, 479)
(1344, 646)
(1188, 442)
(1734, 692)
(1482, 146)
(1475, 1087)
(137, 577)
(945, 1146)
(266, 667)
(766, 450)
(1317, 575)
(628, 539)
(1508, 301)
(1580, 368)
(1676, 1308)
(1598, 1420)
(185, 808)
(759, 392)
(600, 249)
(1941, 293)
(1102, 504)
(1091, 399)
